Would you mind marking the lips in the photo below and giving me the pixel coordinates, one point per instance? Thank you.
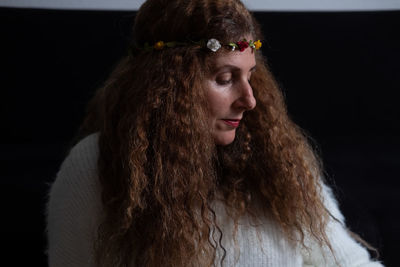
(232, 122)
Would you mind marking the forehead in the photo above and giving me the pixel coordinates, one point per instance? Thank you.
(243, 60)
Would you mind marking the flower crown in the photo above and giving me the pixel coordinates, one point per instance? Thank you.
(212, 44)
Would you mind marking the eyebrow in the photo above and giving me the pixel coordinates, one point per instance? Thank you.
(234, 67)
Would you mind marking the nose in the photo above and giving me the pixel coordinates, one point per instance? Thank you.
(246, 98)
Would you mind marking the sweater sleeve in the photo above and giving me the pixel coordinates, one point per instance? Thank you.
(347, 251)
(74, 206)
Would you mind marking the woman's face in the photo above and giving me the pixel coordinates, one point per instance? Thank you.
(229, 94)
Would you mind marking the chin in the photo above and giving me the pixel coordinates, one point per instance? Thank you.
(224, 139)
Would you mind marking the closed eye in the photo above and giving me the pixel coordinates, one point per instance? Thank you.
(224, 82)
(224, 78)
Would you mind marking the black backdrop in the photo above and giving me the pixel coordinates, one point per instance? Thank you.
(339, 73)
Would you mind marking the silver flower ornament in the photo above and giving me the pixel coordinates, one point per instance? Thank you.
(213, 45)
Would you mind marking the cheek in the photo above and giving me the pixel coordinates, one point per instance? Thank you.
(214, 108)
(217, 103)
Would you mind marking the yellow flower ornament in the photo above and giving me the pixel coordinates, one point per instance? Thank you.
(257, 44)
(159, 45)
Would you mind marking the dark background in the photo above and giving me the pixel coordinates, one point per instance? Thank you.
(339, 73)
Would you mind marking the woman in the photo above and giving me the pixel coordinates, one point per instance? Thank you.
(189, 157)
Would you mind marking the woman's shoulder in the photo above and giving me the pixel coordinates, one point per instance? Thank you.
(86, 149)
(74, 206)
(82, 158)
(78, 172)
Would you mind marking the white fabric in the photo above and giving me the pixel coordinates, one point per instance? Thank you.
(74, 210)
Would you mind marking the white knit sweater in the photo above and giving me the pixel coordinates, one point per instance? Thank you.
(74, 210)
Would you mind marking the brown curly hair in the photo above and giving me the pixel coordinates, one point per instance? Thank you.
(159, 168)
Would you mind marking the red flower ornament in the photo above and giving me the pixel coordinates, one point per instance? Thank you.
(242, 45)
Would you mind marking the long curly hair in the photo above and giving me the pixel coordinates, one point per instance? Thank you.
(159, 168)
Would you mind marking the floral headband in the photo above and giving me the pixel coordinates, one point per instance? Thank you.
(212, 44)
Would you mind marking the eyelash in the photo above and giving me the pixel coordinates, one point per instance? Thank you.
(224, 82)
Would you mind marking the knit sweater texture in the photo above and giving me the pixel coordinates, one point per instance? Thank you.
(74, 211)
